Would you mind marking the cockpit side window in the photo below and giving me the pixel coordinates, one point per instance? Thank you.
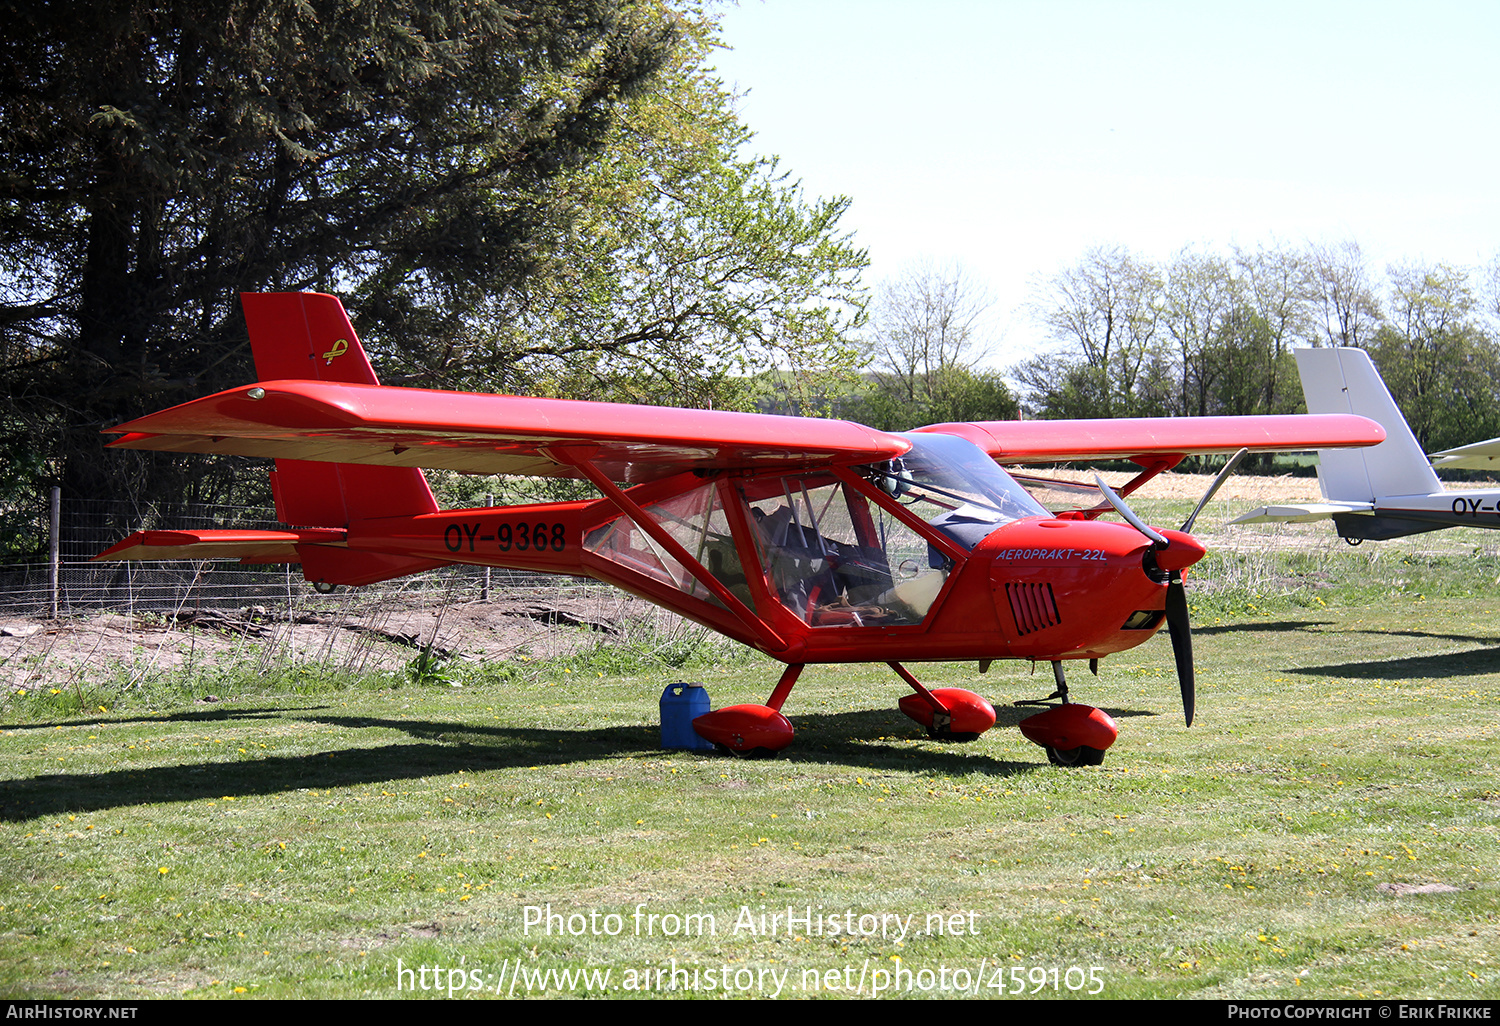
(696, 519)
(835, 559)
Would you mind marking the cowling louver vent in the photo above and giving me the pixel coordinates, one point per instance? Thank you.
(1033, 605)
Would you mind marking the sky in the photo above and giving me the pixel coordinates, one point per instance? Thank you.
(1010, 136)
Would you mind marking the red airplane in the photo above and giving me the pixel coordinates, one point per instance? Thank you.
(814, 541)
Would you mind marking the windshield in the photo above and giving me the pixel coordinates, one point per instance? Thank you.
(955, 486)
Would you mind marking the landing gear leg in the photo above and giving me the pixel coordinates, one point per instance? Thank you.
(784, 686)
(939, 721)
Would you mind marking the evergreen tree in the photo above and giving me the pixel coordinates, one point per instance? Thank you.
(160, 158)
(694, 275)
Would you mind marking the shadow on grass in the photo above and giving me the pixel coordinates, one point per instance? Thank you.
(186, 716)
(1273, 627)
(1443, 664)
(868, 739)
(1289, 626)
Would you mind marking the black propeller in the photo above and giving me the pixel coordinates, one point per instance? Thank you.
(1182, 642)
(1177, 610)
(1234, 461)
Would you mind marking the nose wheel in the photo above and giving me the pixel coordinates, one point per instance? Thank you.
(1083, 755)
(1071, 734)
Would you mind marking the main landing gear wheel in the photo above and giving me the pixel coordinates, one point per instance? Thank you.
(1070, 734)
(745, 731)
(746, 753)
(963, 715)
(1083, 755)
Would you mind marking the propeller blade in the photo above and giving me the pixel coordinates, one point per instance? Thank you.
(1182, 643)
(1218, 483)
(1177, 610)
(1129, 514)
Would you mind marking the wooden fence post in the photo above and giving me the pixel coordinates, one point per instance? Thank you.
(484, 589)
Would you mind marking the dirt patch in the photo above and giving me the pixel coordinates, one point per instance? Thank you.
(1402, 889)
(1259, 491)
(366, 638)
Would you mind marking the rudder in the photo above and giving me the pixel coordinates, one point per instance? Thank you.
(304, 336)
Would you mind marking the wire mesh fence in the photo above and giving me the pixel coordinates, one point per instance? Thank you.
(74, 583)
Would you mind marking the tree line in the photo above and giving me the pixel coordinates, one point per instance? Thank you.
(1211, 333)
(557, 197)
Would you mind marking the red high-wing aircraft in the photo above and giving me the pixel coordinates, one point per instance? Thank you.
(814, 541)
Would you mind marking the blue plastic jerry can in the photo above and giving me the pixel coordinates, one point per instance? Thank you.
(680, 705)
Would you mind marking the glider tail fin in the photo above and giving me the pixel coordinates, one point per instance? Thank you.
(1346, 381)
(308, 336)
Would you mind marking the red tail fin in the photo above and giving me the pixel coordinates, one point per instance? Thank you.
(304, 336)
(307, 336)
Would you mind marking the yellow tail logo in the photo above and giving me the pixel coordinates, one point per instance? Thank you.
(339, 349)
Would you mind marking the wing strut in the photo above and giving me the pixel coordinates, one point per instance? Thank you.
(1149, 469)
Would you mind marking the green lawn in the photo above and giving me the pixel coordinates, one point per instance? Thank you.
(1327, 829)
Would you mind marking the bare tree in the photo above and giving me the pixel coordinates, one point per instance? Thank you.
(1108, 309)
(1489, 291)
(1343, 294)
(1427, 348)
(924, 322)
(1201, 298)
(1279, 285)
(927, 337)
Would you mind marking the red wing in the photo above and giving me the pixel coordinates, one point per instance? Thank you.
(1060, 441)
(493, 434)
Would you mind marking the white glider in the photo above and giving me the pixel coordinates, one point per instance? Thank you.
(1387, 490)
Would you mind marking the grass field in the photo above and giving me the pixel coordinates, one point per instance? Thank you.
(1328, 828)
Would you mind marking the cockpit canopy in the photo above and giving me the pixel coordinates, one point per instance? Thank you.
(955, 487)
(837, 559)
(821, 547)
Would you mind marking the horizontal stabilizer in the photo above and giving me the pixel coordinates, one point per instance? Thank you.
(320, 550)
(1474, 456)
(256, 546)
(1301, 513)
